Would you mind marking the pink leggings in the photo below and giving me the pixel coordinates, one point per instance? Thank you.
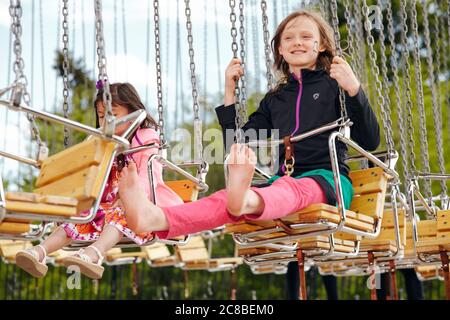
(286, 195)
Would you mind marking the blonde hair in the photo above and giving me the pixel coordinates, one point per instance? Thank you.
(326, 40)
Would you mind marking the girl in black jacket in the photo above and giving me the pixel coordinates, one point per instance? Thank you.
(306, 97)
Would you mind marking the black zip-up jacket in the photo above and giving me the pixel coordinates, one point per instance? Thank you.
(298, 107)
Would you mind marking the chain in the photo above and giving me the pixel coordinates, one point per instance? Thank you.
(15, 10)
(191, 58)
(197, 122)
(234, 46)
(65, 51)
(395, 80)
(216, 29)
(265, 23)
(101, 63)
(420, 98)
(158, 72)
(337, 36)
(447, 93)
(360, 39)
(243, 81)
(386, 111)
(351, 39)
(407, 81)
(435, 97)
(256, 61)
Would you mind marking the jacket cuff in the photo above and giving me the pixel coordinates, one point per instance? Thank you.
(226, 114)
(357, 101)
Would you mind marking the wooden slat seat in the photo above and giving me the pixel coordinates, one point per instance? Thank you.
(195, 256)
(68, 183)
(186, 189)
(429, 272)
(9, 249)
(115, 254)
(14, 227)
(440, 241)
(158, 255)
(426, 229)
(386, 240)
(366, 208)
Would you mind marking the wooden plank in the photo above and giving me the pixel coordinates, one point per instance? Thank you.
(217, 262)
(79, 185)
(368, 180)
(14, 228)
(369, 204)
(314, 217)
(191, 254)
(186, 189)
(73, 159)
(38, 198)
(388, 219)
(40, 208)
(156, 251)
(125, 255)
(10, 249)
(443, 221)
(425, 228)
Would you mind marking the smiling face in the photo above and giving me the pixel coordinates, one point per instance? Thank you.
(300, 43)
(118, 111)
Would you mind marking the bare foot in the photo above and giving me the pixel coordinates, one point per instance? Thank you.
(240, 173)
(141, 214)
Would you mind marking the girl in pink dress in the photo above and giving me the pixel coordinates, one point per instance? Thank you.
(109, 224)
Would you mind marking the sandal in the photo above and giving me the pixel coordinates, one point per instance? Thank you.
(93, 270)
(28, 260)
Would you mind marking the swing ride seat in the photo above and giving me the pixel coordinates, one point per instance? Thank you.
(425, 273)
(384, 246)
(194, 256)
(9, 249)
(365, 211)
(440, 240)
(116, 254)
(267, 269)
(158, 255)
(385, 242)
(185, 189)
(311, 246)
(69, 182)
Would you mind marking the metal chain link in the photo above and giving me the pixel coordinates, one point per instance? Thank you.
(435, 97)
(351, 37)
(266, 36)
(190, 39)
(198, 149)
(101, 63)
(256, 58)
(234, 47)
(420, 98)
(158, 73)
(386, 111)
(395, 80)
(360, 39)
(243, 81)
(65, 65)
(446, 55)
(376, 71)
(407, 82)
(337, 36)
(15, 10)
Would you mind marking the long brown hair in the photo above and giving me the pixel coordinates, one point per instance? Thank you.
(125, 95)
(326, 40)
